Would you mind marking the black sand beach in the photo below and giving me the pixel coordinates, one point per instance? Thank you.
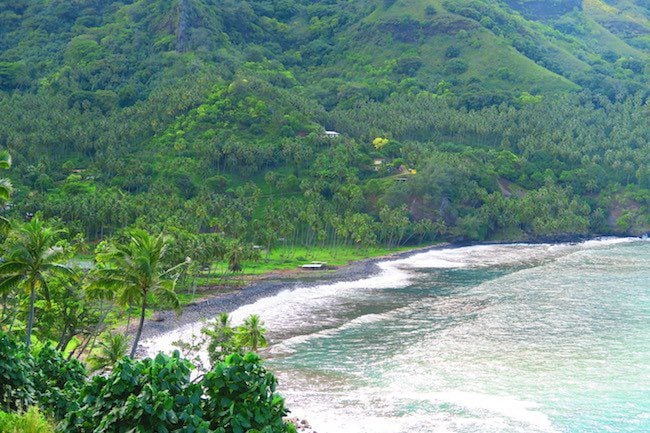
(210, 308)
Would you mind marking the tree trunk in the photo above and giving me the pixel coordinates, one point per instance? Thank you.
(93, 340)
(79, 350)
(5, 300)
(128, 320)
(13, 316)
(62, 338)
(30, 322)
(95, 332)
(66, 342)
(140, 326)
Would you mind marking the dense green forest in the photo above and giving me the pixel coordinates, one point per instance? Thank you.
(465, 120)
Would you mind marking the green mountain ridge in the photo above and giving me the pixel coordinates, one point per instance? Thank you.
(324, 39)
(473, 119)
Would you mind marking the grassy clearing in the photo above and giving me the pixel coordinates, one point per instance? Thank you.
(332, 256)
(285, 258)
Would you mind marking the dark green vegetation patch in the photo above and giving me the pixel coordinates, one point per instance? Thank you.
(470, 119)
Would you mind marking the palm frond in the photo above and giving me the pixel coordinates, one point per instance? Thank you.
(58, 268)
(45, 288)
(9, 282)
(52, 254)
(6, 188)
(5, 225)
(13, 267)
(167, 296)
(112, 348)
(99, 293)
(5, 159)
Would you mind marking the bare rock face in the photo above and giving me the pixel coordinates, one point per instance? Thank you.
(182, 29)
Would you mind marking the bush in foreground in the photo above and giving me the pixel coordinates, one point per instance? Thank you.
(153, 395)
(44, 378)
(157, 395)
(241, 397)
(31, 421)
(16, 375)
(238, 395)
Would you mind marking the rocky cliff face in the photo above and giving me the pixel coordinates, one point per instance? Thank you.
(184, 17)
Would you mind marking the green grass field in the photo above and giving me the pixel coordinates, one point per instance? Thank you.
(285, 258)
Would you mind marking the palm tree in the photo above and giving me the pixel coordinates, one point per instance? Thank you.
(135, 272)
(5, 192)
(221, 339)
(237, 253)
(251, 333)
(5, 186)
(112, 348)
(31, 256)
(223, 320)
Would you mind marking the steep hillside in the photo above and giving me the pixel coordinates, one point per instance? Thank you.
(614, 29)
(466, 119)
(531, 46)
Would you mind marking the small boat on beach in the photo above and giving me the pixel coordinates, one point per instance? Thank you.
(314, 266)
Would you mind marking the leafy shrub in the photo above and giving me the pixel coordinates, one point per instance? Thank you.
(456, 67)
(241, 397)
(13, 75)
(31, 421)
(58, 381)
(452, 52)
(16, 367)
(408, 65)
(47, 378)
(157, 396)
(153, 395)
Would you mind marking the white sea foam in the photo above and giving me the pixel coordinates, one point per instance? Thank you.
(288, 345)
(293, 308)
(166, 342)
(525, 412)
(296, 308)
(500, 254)
(355, 358)
(606, 241)
(379, 410)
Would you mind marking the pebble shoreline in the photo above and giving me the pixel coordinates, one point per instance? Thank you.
(210, 308)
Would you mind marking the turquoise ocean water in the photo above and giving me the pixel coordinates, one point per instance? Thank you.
(496, 338)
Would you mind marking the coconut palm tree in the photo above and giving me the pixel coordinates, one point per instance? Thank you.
(135, 272)
(30, 258)
(5, 186)
(221, 341)
(236, 253)
(112, 348)
(251, 333)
